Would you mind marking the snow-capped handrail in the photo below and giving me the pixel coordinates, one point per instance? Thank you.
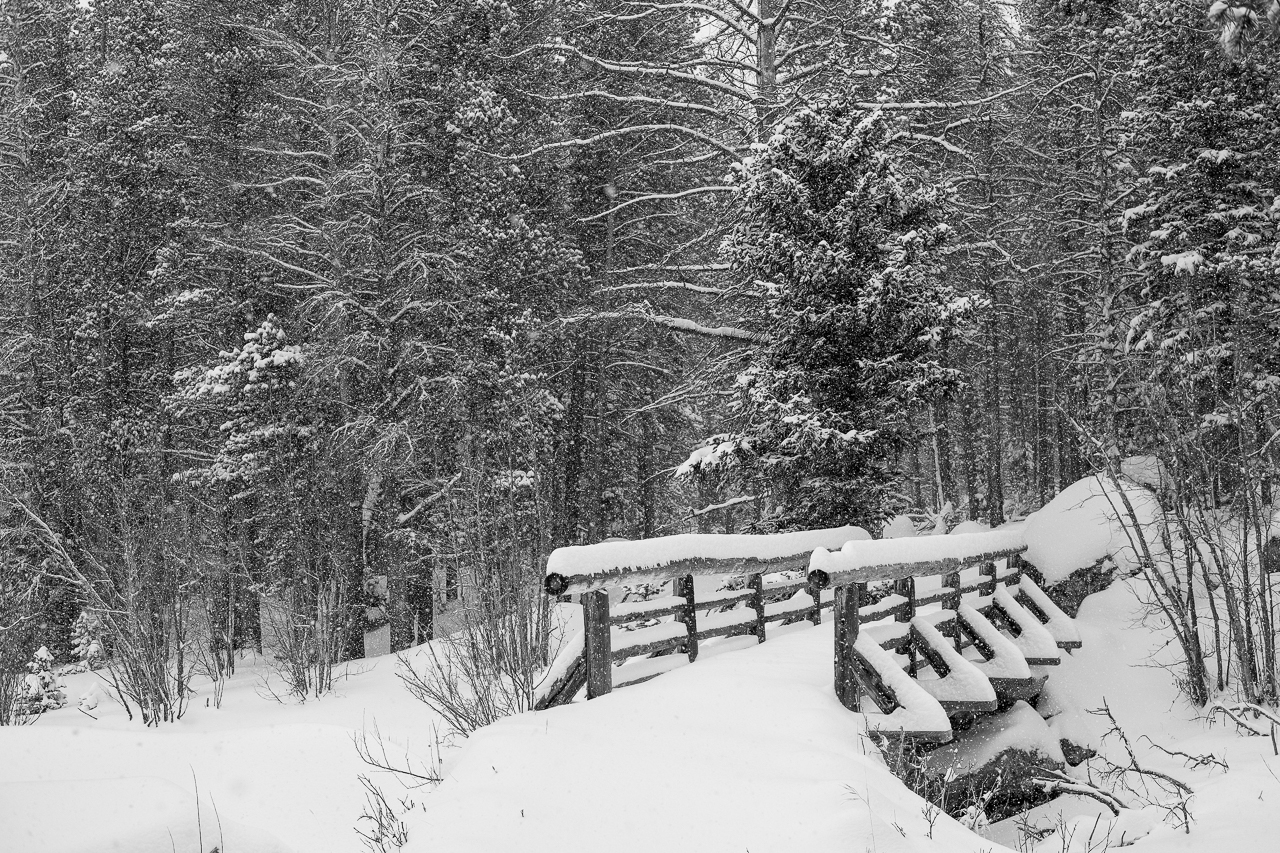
(585, 568)
(895, 559)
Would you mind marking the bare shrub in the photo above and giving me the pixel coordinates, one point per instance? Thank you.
(305, 626)
(488, 666)
(15, 640)
(482, 673)
(141, 602)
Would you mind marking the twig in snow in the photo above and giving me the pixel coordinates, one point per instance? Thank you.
(1060, 783)
(1218, 707)
(1134, 767)
(1192, 761)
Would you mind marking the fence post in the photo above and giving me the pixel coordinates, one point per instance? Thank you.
(757, 604)
(848, 600)
(951, 601)
(906, 587)
(815, 592)
(689, 615)
(1014, 561)
(988, 587)
(596, 642)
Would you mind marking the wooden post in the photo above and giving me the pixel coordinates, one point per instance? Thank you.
(815, 592)
(988, 587)
(906, 587)
(596, 642)
(951, 602)
(683, 588)
(757, 604)
(848, 689)
(1014, 561)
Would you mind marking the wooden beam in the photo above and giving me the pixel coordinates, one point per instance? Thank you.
(557, 584)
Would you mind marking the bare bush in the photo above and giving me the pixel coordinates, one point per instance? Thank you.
(141, 603)
(486, 671)
(306, 627)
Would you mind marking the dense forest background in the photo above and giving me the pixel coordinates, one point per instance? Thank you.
(360, 307)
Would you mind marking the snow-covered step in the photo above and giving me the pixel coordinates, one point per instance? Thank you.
(1029, 635)
(1061, 626)
(906, 708)
(1003, 664)
(959, 685)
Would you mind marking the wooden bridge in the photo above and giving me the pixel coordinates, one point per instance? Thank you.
(928, 628)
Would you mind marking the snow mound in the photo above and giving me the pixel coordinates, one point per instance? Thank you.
(1018, 728)
(899, 527)
(1088, 521)
(1147, 471)
(971, 527)
(159, 816)
(746, 750)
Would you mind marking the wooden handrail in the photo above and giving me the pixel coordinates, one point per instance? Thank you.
(586, 568)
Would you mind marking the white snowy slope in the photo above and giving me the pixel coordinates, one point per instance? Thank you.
(748, 750)
(1237, 811)
(280, 777)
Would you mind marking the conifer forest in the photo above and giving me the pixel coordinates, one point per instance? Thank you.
(324, 318)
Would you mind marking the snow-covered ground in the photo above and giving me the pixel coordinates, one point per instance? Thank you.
(747, 749)
(1120, 666)
(277, 776)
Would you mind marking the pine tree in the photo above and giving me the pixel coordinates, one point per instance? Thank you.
(841, 244)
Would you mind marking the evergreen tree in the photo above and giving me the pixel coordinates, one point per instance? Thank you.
(842, 246)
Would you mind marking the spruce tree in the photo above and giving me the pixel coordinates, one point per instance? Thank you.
(841, 245)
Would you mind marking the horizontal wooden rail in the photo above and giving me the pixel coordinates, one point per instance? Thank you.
(586, 568)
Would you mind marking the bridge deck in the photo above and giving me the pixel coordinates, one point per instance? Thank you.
(749, 749)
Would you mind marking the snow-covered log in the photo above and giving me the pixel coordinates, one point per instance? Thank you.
(583, 568)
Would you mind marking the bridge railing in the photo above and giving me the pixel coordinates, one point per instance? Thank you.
(838, 566)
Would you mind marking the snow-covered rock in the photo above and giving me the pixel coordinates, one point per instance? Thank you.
(1087, 521)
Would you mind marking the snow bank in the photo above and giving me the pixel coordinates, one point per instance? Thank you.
(899, 527)
(746, 750)
(280, 776)
(970, 527)
(568, 639)
(1086, 522)
(1146, 470)
(1018, 728)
